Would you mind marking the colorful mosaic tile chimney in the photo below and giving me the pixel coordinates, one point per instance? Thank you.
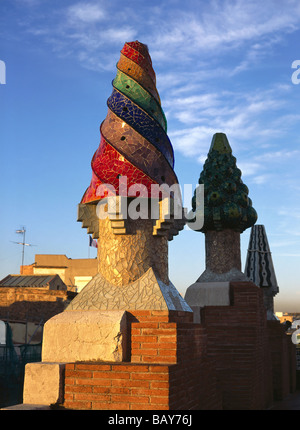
(134, 141)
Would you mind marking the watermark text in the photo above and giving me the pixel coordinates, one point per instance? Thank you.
(296, 75)
(160, 202)
(2, 73)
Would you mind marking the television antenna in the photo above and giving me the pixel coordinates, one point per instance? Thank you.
(23, 243)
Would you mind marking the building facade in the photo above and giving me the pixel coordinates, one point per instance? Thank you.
(75, 273)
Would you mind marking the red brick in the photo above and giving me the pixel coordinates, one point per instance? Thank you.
(78, 405)
(168, 345)
(110, 406)
(91, 396)
(70, 366)
(150, 376)
(136, 358)
(68, 396)
(149, 407)
(121, 398)
(168, 352)
(159, 384)
(81, 389)
(92, 367)
(130, 368)
(77, 373)
(159, 369)
(153, 345)
(164, 400)
(145, 339)
(94, 381)
(159, 331)
(143, 325)
(111, 375)
(150, 391)
(146, 351)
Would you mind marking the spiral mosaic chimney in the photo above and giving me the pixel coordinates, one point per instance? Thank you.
(134, 141)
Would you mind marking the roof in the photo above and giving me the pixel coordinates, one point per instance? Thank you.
(26, 280)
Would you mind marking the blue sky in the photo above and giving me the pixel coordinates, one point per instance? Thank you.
(221, 66)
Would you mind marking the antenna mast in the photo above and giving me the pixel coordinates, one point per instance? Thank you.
(22, 231)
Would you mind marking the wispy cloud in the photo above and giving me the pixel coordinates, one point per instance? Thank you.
(176, 34)
(237, 114)
(228, 25)
(86, 12)
(222, 38)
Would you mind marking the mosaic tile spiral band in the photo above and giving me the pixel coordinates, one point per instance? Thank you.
(134, 141)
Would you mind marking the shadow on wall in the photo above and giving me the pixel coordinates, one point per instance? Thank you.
(32, 311)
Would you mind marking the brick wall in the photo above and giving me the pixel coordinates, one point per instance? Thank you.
(283, 360)
(32, 303)
(238, 342)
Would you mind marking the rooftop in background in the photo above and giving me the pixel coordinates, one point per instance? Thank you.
(53, 282)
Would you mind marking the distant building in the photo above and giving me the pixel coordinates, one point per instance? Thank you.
(33, 297)
(287, 316)
(50, 282)
(75, 273)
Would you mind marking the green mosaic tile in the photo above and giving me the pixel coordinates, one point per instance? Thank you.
(140, 96)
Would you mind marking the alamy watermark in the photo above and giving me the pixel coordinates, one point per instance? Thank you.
(296, 75)
(160, 202)
(2, 72)
(296, 333)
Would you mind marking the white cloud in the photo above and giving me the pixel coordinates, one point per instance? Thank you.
(278, 155)
(261, 179)
(86, 12)
(249, 168)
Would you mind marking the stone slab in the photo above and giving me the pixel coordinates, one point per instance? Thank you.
(233, 275)
(202, 294)
(43, 383)
(26, 407)
(85, 336)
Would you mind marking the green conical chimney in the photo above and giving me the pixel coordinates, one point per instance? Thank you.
(226, 201)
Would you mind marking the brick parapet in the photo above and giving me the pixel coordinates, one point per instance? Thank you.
(255, 360)
(116, 386)
(166, 371)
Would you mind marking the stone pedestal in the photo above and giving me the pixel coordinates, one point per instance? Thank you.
(223, 265)
(89, 335)
(203, 294)
(222, 256)
(43, 383)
